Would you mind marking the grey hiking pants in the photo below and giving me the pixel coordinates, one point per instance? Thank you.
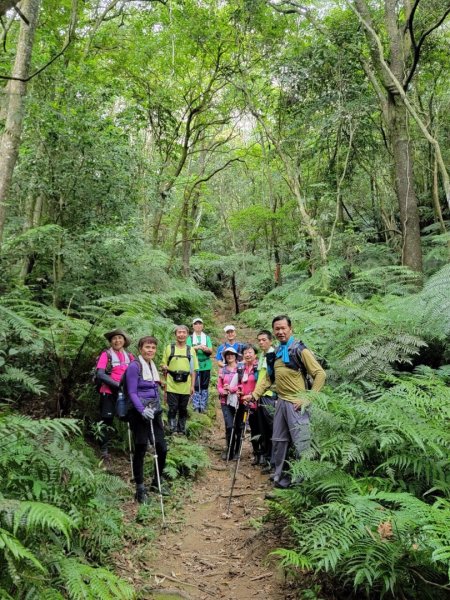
(289, 425)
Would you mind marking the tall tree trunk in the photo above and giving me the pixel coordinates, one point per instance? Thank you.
(235, 291)
(404, 182)
(32, 219)
(15, 92)
(436, 203)
(186, 234)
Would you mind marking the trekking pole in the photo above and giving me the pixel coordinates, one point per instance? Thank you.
(131, 452)
(244, 421)
(158, 479)
(231, 436)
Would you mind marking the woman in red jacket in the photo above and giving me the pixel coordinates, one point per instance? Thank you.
(248, 384)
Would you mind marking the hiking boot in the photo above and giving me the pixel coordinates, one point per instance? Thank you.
(262, 460)
(141, 495)
(181, 427)
(106, 461)
(267, 470)
(271, 496)
(297, 480)
(172, 425)
(255, 461)
(224, 456)
(283, 484)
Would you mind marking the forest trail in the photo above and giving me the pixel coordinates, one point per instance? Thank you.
(214, 555)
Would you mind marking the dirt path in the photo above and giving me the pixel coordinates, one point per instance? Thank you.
(205, 553)
(216, 556)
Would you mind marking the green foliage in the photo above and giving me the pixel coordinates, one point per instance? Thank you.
(185, 458)
(363, 337)
(59, 514)
(373, 503)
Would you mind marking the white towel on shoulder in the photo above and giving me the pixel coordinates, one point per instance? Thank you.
(149, 370)
(196, 336)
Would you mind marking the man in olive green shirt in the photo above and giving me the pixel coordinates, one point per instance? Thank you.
(179, 365)
(287, 370)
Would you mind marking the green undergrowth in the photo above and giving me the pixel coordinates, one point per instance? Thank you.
(374, 507)
(60, 516)
(373, 511)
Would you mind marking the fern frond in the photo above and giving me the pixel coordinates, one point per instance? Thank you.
(83, 582)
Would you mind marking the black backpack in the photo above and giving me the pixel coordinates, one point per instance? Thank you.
(295, 363)
(173, 355)
(108, 369)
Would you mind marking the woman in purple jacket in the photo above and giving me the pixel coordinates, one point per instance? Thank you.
(142, 389)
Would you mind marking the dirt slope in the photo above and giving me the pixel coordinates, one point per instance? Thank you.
(215, 556)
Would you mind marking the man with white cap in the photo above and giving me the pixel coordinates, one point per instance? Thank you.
(203, 347)
(230, 342)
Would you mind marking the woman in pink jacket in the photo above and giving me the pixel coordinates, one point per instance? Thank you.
(248, 384)
(228, 388)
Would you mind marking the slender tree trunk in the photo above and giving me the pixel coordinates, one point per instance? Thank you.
(15, 92)
(436, 203)
(404, 181)
(186, 234)
(32, 219)
(235, 291)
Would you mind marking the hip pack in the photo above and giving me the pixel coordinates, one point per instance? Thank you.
(179, 376)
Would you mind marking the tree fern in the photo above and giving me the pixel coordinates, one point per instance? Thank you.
(83, 582)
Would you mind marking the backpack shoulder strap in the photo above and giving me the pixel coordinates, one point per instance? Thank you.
(270, 361)
(172, 353)
(108, 367)
(298, 348)
(123, 381)
(296, 356)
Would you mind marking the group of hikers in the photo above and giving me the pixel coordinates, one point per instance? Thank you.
(267, 393)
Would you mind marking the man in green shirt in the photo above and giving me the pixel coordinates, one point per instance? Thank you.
(203, 347)
(179, 365)
(287, 369)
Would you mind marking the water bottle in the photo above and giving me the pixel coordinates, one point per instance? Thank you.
(121, 406)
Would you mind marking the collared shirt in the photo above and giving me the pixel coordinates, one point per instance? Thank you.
(289, 383)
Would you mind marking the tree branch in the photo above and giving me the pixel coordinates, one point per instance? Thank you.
(418, 47)
(215, 171)
(401, 92)
(68, 41)
(5, 5)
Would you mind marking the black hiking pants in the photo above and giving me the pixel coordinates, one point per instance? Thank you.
(141, 431)
(107, 412)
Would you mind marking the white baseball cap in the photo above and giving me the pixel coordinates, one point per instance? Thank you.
(229, 328)
(197, 320)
